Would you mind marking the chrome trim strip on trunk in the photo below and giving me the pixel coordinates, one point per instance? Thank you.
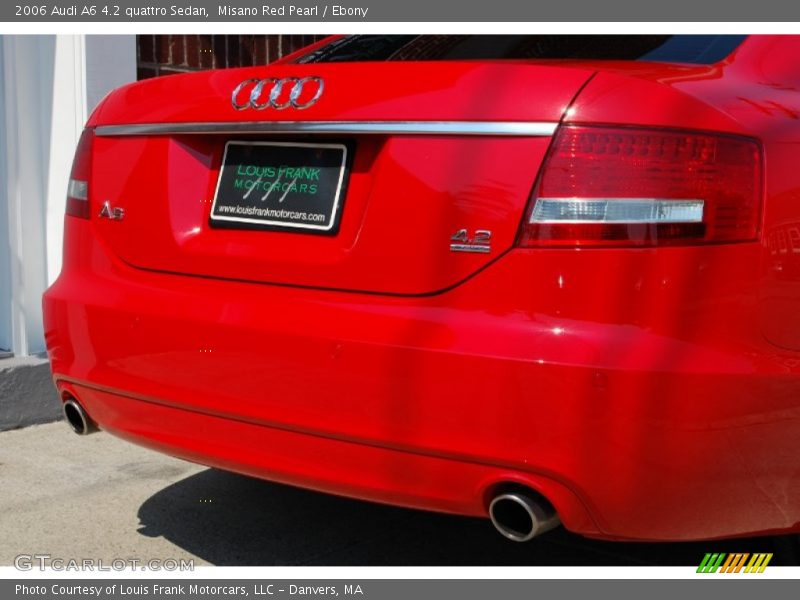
(499, 128)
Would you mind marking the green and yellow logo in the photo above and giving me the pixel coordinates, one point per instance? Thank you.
(734, 563)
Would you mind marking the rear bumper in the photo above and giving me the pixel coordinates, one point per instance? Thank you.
(315, 461)
(642, 423)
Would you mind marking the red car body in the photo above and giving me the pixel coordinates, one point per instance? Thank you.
(648, 390)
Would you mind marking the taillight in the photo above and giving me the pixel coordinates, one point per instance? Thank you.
(620, 186)
(78, 187)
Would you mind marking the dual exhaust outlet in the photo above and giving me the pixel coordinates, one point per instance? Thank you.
(519, 514)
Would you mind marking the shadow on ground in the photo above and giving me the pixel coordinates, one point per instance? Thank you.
(228, 519)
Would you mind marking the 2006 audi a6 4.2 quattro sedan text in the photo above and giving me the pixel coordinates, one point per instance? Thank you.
(540, 279)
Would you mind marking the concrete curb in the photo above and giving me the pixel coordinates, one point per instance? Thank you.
(27, 394)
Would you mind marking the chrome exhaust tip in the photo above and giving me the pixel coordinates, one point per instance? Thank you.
(521, 516)
(76, 417)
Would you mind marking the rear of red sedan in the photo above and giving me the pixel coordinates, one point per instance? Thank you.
(537, 278)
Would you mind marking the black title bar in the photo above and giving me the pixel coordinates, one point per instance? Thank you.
(461, 11)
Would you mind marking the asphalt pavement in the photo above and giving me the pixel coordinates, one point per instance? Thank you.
(102, 498)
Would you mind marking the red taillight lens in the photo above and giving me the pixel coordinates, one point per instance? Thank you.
(78, 187)
(619, 186)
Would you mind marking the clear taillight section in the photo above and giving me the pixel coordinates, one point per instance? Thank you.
(78, 186)
(620, 186)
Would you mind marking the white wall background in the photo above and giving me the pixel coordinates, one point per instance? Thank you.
(48, 87)
(5, 246)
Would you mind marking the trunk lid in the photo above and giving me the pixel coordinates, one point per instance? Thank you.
(402, 195)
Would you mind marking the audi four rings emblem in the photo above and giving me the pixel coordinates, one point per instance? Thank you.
(299, 93)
